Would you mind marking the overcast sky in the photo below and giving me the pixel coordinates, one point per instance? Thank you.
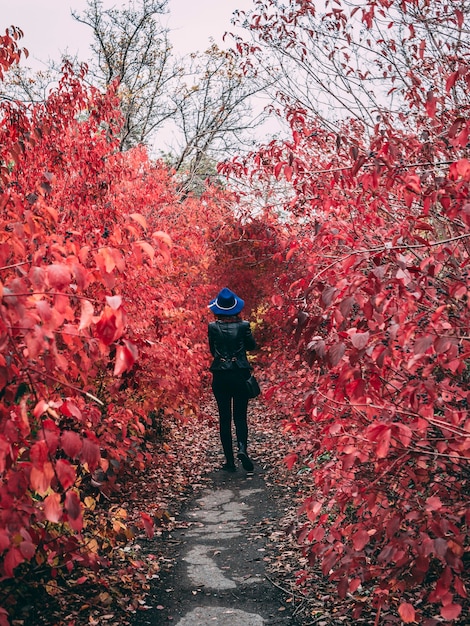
(50, 30)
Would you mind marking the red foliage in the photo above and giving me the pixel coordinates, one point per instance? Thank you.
(373, 295)
(58, 330)
(10, 53)
(100, 326)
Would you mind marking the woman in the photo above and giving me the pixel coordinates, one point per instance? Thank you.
(229, 339)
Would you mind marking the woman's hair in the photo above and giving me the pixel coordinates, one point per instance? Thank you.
(228, 318)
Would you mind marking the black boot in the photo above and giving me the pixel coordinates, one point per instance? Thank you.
(244, 458)
(229, 466)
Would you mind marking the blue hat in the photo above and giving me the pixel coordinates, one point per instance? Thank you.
(226, 303)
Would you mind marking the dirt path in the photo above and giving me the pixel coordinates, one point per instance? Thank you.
(219, 574)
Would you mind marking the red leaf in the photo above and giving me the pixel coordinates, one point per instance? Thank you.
(83, 253)
(441, 547)
(328, 294)
(460, 587)
(140, 219)
(463, 168)
(313, 509)
(65, 473)
(163, 237)
(451, 80)
(360, 340)
(329, 561)
(72, 505)
(148, 524)
(40, 479)
(335, 353)
(290, 460)
(462, 138)
(51, 436)
(384, 444)
(291, 253)
(268, 394)
(407, 612)
(58, 276)
(422, 344)
(433, 504)
(360, 539)
(70, 409)
(40, 408)
(346, 305)
(404, 433)
(317, 345)
(443, 344)
(4, 540)
(4, 621)
(3, 377)
(12, 560)
(126, 356)
(354, 585)
(106, 260)
(421, 225)
(431, 103)
(53, 508)
(357, 165)
(39, 454)
(86, 315)
(413, 183)
(146, 247)
(81, 275)
(106, 328)
(71, 443)
(455, 365)
(74, 510)
(37, 276)
(460, 169)
(422, 48)
(375, 430)
(343, 587)
(451, 611)
(277, 169)
(27, 549)
(90, 454)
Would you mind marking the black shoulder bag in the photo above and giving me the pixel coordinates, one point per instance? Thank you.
(252, 387)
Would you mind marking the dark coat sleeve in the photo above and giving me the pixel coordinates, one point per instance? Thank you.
(249, 341)
(210, 334)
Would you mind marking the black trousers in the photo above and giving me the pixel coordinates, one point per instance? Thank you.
(232, 401)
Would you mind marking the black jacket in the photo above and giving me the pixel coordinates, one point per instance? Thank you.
(228, 343)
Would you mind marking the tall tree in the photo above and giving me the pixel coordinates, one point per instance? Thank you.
(213, 114)
(131, 46)
(204, 96)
